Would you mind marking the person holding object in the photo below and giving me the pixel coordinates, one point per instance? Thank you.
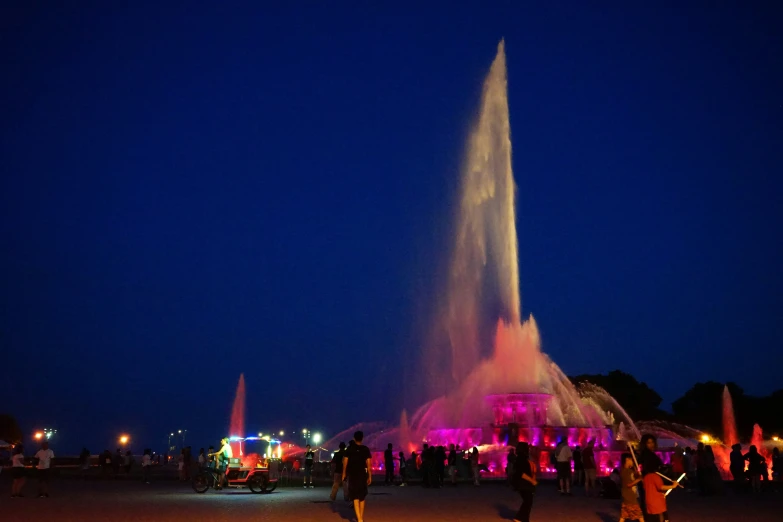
(629, 478)
(524, 481)
(357, 466)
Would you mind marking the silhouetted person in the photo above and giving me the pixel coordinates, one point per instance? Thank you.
(44, 457)
(589, 467)
(474, 466)
(105, 463)
(737, 466)
(563, 457)
(440, 465)
(388, 464)
(84, 462)
(116, 462)
(524, 481)
(756, 466)
(777, 464)
(452, 460)
(146, 463)
(357, 466)
(511, 458)
(579, 470)
(128, 462)
(17, 471)
(403, 470)
(337, 474)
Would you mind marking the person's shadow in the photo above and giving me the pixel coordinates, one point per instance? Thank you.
(505, 512)
(344, 510)
(606, 517)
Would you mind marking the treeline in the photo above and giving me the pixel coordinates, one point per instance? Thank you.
(701, 407)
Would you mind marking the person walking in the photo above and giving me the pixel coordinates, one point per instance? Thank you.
(17, 471)
(44, 457)
(357, 466)
(388, 464)
(563, 457)
(590, 468)
(337, 474)
(309, 457)
(524, 481)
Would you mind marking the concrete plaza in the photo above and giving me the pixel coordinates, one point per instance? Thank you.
(130, 500)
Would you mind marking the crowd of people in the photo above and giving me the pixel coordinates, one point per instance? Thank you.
(641, 481)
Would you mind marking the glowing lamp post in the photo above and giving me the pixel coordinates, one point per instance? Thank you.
(124, 440)
(38, 435)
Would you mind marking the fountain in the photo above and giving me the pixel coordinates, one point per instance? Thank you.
(729, 424)
(500, 388)
(237, 424)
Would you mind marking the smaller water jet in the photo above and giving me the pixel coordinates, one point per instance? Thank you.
(729, 423)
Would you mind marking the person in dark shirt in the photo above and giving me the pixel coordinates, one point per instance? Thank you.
(403, 470)
(453, 464)
(579, 469)
(357, 466)
(440, 465)
(337, 463)
(388, 463)
(308, 474)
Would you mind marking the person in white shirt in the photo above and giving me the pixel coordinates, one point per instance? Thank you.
(146, 462)
(202, 459)
(44, 456)
(224, 455)
(563, 456)
(17, 471)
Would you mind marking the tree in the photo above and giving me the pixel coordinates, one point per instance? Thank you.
(637, 399)
(9, 429)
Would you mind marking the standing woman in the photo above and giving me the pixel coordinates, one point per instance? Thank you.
(17, 471)
(524, 481)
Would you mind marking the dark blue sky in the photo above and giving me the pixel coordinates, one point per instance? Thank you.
(190, 192)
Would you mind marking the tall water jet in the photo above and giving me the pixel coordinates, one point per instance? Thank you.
(237, 426)
(729, 424)
(483, 279)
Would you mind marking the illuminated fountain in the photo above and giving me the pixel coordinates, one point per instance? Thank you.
(500, 387)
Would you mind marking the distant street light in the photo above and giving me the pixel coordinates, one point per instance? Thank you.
(282, 433)
(38, 435)
(124, 439)
(316, 438)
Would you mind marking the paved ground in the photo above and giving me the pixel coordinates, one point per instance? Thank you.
(121, 501)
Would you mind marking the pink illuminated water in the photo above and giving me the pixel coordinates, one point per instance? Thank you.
(237, 425)
(729, 424)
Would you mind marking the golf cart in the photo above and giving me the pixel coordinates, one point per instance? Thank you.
(249, 470)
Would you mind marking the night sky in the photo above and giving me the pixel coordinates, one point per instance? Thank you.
(190, 192)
